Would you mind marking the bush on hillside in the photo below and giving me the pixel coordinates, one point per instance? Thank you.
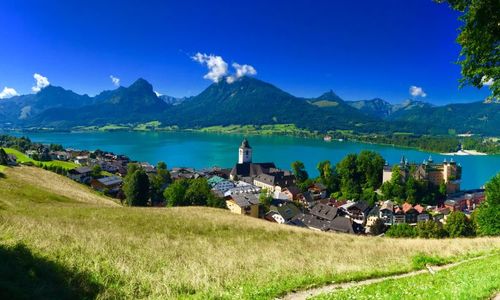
(431, 230)
(459, 225)
(401, 231)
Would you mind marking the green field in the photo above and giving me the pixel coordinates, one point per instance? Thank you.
(23, 158)
(274, 129)
(61, 237)
(477, 279)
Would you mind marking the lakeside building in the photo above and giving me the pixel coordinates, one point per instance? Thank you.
(263, 175)
(447, 172)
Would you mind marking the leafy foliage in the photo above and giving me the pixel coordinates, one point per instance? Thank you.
(360, 175)
(299, 170)
(458, 225)
(480, 40)
(487, 216)
(401, 231)
(187, 192)
(136, 186)
(430, 230)
(159, 182)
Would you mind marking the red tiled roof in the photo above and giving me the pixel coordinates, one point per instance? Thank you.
(419, 208)
(407, 206)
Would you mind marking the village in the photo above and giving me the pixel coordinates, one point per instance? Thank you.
(261, 190)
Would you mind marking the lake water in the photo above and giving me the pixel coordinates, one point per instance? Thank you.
(201, 150)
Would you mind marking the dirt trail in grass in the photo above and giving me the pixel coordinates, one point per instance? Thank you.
(305, 294)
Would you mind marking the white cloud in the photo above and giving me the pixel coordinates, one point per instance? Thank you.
(41, 82)
(8, 92)
(416, 91)
(217, 67)
(158, 94)
(241, 70)
(486, 82)
(244, 70)
(115, 80)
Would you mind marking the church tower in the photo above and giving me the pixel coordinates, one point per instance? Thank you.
(245, 152)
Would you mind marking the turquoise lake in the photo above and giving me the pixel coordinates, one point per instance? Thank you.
(201, 150)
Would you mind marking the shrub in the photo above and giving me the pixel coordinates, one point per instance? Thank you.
(430, 230)
(401, 231)
(458, 225)
(487, 219)
(420, 260)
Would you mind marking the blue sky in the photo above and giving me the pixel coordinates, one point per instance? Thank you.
(359, 49)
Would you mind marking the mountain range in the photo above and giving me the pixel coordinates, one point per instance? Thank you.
(245, 101)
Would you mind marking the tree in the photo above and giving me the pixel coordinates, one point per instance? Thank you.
(395, 188)
(198, 192)
(136, 188)
(328, 176)
(369, 196)
(299, 170)
(215, 201)
(458, 225)
(370, 165)
(487, 215)
(96, 171)
(493, 191)
(401, 231)
(411, 190)
(350, 179)
(159, 182)
(487, 219)
(174, 194)
(430, 230)
(479, 37)
(265, 199)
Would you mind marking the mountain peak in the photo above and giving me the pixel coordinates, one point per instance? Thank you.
(330, 96)
(141, 83)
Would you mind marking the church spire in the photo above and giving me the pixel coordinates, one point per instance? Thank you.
(245, 152)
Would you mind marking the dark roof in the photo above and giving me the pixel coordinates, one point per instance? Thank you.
(251, 169)
(277, 178)
(110, 180)
(341, 224)
(296, 222)
(81, 170)
(307, 197)
(294, 190)
(244, 200)
(313, 222)
(288, 211)
(375, 211)
(324, 211)
(245, 144)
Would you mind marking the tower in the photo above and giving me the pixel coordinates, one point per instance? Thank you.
(245, 152)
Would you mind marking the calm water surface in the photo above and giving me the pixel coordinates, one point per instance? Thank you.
(201, 150)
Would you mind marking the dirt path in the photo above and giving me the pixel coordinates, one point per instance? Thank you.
(305, 294)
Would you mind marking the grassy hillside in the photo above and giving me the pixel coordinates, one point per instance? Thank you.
(60, 240)
(23, 158)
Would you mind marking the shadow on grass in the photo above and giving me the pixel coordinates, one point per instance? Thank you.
(25, 276)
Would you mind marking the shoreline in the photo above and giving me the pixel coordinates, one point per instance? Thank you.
(465, 153)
